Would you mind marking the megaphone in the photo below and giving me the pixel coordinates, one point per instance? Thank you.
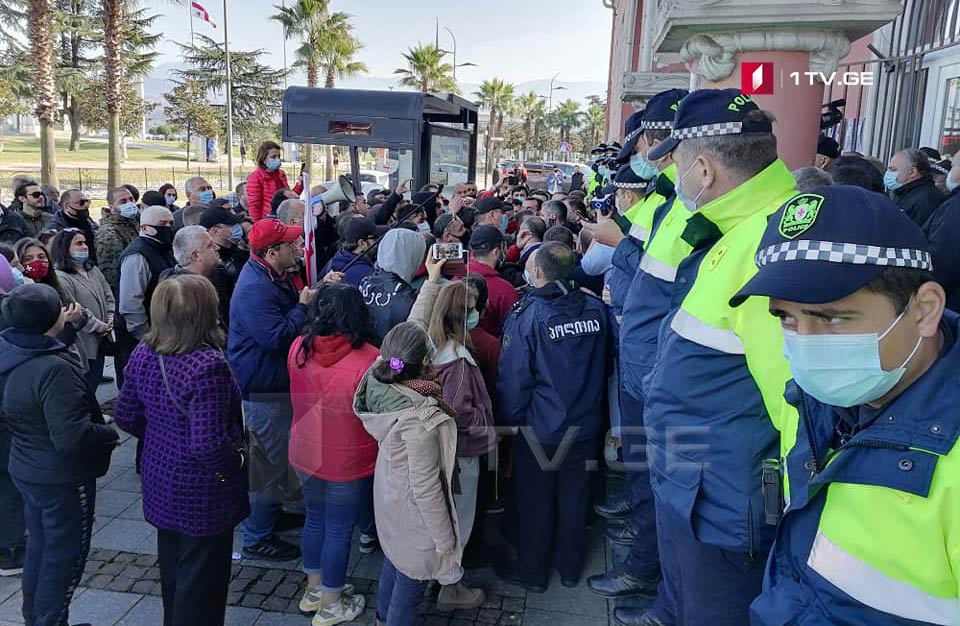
(343, 191)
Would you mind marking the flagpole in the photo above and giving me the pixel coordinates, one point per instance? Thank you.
(226, 51)
(190, 9)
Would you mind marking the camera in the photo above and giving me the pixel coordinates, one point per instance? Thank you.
(604, 205)
(447, 251)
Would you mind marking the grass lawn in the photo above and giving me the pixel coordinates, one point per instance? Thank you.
(25, 152)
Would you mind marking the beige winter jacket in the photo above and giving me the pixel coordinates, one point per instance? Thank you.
(413, 483)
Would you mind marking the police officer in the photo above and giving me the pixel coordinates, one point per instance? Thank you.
(870, 531)
(645, 305)
(714, 398)
(553, 371)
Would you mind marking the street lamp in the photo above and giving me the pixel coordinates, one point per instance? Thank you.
(454, 53)
(552, 89)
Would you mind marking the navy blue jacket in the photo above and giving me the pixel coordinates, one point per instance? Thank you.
(355, 273)
(554, 363)
(265, 318)
(943, 231)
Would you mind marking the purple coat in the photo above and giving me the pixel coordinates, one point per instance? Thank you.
(191, 472)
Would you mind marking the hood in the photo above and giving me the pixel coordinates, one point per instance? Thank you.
(344, 256)
(378, 406)
(401, 252)
(16, 348)
(330, 350)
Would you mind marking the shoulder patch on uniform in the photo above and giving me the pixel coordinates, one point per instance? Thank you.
(799, 214)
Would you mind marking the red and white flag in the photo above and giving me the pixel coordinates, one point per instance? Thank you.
(309, 230)
(201, 13)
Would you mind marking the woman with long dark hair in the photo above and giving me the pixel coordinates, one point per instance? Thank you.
(36, 262)
(332, 453)
(264, 181)
(83, 283)
(180, 398)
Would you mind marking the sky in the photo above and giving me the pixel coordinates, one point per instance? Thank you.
(514, 40)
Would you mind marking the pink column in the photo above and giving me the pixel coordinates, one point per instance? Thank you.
(796, 107)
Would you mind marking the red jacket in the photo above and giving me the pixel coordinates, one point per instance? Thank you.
(261, 185)
(327, 439)
(486, 347)
(502, 297)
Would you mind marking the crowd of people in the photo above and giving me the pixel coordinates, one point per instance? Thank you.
(767, 353)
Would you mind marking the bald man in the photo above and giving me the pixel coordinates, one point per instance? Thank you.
(141, 264)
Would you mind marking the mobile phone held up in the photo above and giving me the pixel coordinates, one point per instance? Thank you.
(447, 251)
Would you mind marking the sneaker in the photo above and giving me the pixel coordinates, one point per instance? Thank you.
(368, 543)
(311, 600)
(272, 549)
(346, 609)
(11, 562)
(459, 597)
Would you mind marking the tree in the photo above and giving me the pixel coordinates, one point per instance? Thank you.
(257, 88)
(594, 119)
(328, 45)
(528, 106)
(187, 109)
(427, 71)
(41, 49)
(495, 95)
(95, 115)
(113, 31)
(566, 117)
(77, 31)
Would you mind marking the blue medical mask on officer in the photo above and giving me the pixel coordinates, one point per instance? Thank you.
(691, 204)
(951, 184)
(843, 370)
(643, 168)
(598, 259)
(473, 319)
(527, 276)
(890, 180)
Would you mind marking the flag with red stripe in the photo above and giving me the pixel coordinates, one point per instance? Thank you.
(201, 13)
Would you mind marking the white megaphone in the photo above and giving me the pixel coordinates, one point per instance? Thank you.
(341, 192)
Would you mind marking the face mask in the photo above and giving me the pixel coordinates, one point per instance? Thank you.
(687, 202)
(642, 168)
(164, 234)
(473, 320)
(604, 171)
(951, 184)
(170, 200)
(273, 164)
(890, 181)
(83, 214)
(236, 233)
(207, 196)
(527, 276)
(18, 277)
(504, 223)
(598, 259)
(129, 210)
(37, 269)
(80, 257)
(423, 227)
(842, 370)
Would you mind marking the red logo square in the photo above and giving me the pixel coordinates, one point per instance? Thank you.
(756, 78)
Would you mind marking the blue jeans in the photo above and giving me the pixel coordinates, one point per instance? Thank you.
(398, 597)
(270, 419)
(94, 373)
(332, 510)
(60, 521)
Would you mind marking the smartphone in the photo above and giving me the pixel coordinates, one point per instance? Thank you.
(447, 251)
(303, 168)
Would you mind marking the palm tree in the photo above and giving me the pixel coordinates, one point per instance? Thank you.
(328, 45)
(41, 48)
(566, 117)
(427, 71)
(113, 14)
(526, 106)
(495, 95)
(595, 119)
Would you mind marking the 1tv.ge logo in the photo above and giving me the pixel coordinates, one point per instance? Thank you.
(758, 78)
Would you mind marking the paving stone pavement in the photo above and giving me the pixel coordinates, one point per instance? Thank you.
(121, 583)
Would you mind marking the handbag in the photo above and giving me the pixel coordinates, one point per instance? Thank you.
(246, 452)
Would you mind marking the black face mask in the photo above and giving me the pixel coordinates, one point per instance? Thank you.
(164, 234)
(82, 214)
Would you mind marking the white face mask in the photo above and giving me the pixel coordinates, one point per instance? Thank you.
(687, 202)
(951, 184)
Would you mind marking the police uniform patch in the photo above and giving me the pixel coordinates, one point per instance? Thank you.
(799, 214)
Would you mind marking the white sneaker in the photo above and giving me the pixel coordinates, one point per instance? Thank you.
(310, 602)
(346, 609)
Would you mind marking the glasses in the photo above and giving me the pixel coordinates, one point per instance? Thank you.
(81, 202)
(36, 194)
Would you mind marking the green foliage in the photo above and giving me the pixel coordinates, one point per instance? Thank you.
(328, 43)
(10, 102)
(565, 118)
(167, 131)
(257, 88)
(427, 71)
(188, 111)
(92, 107)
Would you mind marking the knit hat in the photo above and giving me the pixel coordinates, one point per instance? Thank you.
(32, 308)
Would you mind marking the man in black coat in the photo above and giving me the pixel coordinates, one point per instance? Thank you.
(910, 178)
(576, 179)
(12, 226)
(943, 233)
(75, 213)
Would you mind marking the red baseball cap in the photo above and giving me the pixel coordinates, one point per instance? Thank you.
(268, 232)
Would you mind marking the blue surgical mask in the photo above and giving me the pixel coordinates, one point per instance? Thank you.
(236, 233)
(890, 181)
(604, 171)
(129, 210)
(18, 277)
(643, 168)
(951, 184)
(598, 259)
(687, 202)
(504, 222)
(272, 164)
(842, 370)
(80, 257)
(206, 196)
(170, 200)
(423, 227)
(473, 320)
(527, 276)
